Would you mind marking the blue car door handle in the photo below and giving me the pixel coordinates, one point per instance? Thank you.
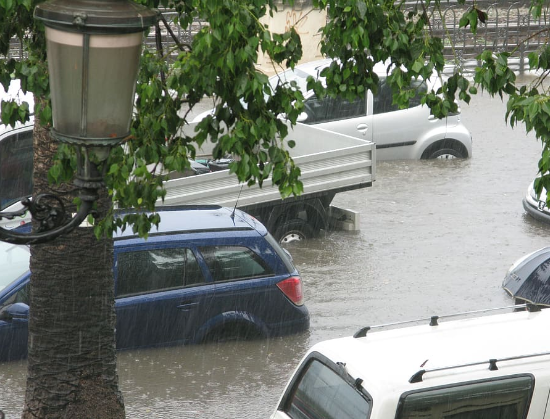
(363, 128)
(186, 306)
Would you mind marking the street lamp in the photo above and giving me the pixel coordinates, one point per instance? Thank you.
(93, 47)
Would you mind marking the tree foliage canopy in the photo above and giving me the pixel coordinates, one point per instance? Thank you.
(221, 64)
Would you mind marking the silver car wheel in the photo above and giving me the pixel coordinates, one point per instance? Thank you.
(446, 156)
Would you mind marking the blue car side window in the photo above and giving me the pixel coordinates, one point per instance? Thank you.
(192, 272)
(155, 270)
(228, 263)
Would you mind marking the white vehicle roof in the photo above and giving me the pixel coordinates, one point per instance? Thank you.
(387, 360)
(313, 68)
(15, 93)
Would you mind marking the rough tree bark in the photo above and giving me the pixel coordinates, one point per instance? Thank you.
(72, 355)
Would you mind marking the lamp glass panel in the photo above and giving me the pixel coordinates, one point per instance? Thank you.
(113, 68)
(113, 64)
(65, 51)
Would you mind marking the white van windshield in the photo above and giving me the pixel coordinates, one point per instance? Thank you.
(14, 262)
(323, 393)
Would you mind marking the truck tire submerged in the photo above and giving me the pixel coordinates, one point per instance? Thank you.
(294, 230)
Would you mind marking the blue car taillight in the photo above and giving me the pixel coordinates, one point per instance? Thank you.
(292, 288)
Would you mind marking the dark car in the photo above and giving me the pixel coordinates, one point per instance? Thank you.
(528, 279)
(206, 274)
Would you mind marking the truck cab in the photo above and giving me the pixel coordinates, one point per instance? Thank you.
(487, 367)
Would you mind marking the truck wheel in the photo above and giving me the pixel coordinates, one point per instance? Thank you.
(293, 230)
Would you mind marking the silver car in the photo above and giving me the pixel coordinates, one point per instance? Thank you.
(536, 206)
(411, 133)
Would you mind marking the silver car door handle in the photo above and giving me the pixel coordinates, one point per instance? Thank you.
(187, 307)
(363, 128)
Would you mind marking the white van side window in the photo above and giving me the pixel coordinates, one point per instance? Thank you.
(16, 167)
(504, 398)
(321, 393)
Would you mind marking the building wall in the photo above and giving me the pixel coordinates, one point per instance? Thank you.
(306, 20)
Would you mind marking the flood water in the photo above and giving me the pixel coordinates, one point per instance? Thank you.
(436, 237)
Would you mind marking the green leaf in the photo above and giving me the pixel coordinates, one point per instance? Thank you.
(418, 65)
(362, 9)
(464, 21)
(113, 169)
(230, 61)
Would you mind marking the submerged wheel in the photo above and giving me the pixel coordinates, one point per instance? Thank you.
(232, 332)
(293, 230)
(445, 150)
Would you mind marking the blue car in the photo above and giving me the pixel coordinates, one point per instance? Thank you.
(206, 274)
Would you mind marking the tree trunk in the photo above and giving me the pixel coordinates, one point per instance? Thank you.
(72, 355)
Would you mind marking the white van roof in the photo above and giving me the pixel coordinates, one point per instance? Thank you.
(15, 93)
(450, 352)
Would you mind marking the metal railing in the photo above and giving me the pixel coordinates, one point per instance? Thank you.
(509, 28)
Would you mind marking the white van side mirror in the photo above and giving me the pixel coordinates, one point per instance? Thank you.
(302, 117)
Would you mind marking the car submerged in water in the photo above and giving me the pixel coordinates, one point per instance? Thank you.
(535, 205)
(411, 133)
(206, 274)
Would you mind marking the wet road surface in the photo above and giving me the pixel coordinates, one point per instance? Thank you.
(436, 237)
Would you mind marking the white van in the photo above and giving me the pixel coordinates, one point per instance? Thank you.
(488, 367)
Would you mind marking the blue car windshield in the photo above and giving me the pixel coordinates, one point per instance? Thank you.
(14, 262)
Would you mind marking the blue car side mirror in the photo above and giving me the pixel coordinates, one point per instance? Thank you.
(14, 311)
